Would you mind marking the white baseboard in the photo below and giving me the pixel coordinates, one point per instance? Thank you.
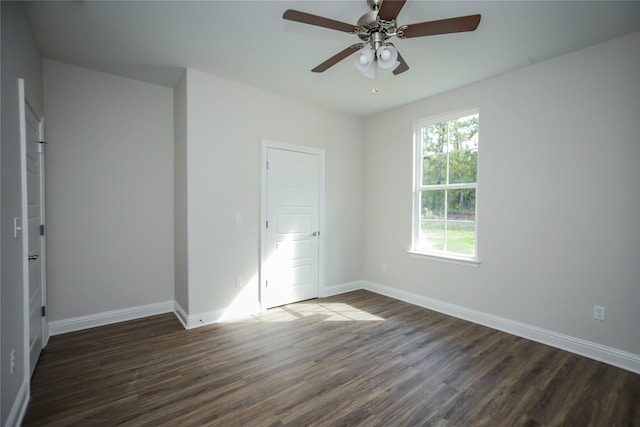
(209, 317)
(181, 314)
(601, 353)
(19, 408)
(188, 321)
(342, 288)
(202, 319)
(57, 327)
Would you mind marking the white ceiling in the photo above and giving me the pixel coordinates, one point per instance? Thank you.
(249, 42)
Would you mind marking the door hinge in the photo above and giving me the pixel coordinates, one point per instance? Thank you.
(267, 224)
(267, 164)
(266, 283)
(42, 229)
(16, 227)
(43, 310)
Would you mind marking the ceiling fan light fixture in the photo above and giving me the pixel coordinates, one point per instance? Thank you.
(387, 57)
(365, 61)
(365, 56)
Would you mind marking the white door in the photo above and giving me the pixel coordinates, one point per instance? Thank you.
(33, 217)
(292, 226)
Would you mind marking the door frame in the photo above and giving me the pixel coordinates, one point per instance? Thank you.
(26, 101)
(266, 145)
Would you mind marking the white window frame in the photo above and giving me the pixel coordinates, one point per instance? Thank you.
(473, 260)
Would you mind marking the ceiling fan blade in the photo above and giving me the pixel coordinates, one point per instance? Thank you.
(402, 67)
(390, 9)
(337, 58)
(320, 21)
(443, 26)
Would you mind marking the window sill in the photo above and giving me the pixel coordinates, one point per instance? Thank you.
(469, 262)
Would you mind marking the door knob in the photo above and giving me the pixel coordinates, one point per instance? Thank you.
(315, 233)
(33, 257)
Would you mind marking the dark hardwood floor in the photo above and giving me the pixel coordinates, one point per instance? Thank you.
(353, 359)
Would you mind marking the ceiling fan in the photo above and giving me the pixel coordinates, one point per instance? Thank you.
(375, 28)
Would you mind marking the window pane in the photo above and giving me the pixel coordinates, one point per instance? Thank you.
(463, 133)
(461, 205)
(434, 169)
(432, 204)
(431, 236)
(463, 167)
(434, 138)
(461, 238)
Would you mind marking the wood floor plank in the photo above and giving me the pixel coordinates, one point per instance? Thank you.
(353, 359)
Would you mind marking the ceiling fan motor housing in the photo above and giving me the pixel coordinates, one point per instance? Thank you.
(371, 27)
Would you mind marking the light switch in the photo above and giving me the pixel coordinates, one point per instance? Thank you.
(238, 217)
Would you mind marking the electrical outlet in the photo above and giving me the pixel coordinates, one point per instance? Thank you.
(239, 282)
(383, 267)
(598, 312)
(12, 368)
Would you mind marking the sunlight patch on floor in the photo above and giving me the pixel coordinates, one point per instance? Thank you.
(325, 311)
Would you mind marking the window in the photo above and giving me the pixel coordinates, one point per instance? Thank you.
(446, 153)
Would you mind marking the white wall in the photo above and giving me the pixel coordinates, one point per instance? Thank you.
(20, 59)
(110, 191)
(559, 196)
(226, 123)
